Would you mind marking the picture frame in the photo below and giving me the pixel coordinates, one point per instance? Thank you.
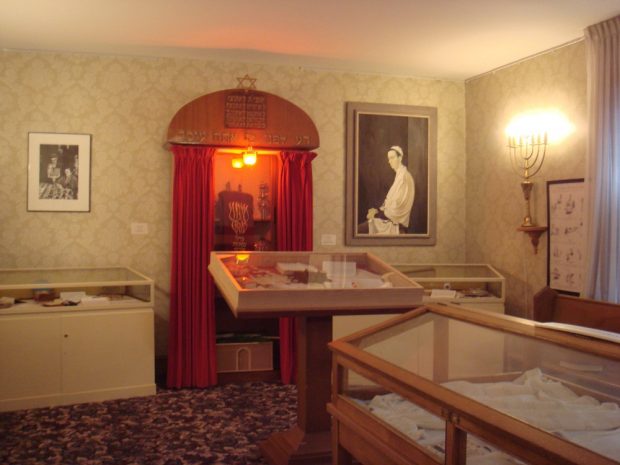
(374, 215)
(58, 172)
(566, 204)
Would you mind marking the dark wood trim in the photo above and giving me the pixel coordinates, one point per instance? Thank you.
(280, 125)
(309, 442)
(550, 305)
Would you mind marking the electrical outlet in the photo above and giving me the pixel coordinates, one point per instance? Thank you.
(328, 239)
(139, 228)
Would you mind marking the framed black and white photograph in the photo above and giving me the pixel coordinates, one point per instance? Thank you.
(566, 241)
(391, 175)
(58, 172)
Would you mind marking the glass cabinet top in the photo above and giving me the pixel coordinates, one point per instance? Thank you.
(439, 347)
(309, 270)
(50, 277)
(421, 272)
(553, 386)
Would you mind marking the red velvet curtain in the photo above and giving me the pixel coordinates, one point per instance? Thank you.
(191, 339)
(294, 232)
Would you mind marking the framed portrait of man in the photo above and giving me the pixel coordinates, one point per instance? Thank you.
(391, 175)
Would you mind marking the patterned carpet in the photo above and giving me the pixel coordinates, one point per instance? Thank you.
(219, 425)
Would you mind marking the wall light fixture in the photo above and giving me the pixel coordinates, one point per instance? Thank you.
(529, 134)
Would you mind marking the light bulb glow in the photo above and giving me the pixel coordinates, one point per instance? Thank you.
(237, 163)
(537, 123)
(249, 157)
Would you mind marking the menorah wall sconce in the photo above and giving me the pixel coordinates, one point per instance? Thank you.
(528, 138)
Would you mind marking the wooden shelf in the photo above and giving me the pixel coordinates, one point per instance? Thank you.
(534, 232)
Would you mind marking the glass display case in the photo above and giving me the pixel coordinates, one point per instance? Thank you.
(70, 335)
(31, 290)
(312, 287)
(274, 283)
(406, 393)
(470, 285)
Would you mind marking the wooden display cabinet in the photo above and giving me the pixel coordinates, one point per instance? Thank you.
(397, 401)
(313, 287)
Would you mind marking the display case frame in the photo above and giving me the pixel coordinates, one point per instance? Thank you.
(308, 300)
(126, 286)
(358, 434)
(476, 285)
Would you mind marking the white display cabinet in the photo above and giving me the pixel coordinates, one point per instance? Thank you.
(477, 286)
(466, 286)
(74, 335)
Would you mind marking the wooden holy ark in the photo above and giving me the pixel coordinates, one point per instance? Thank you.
(234, 119)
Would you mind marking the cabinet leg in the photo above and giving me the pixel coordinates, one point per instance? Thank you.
(340, 456)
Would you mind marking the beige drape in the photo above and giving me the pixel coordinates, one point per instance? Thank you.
(602, 279)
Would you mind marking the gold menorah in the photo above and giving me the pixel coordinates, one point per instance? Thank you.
(527, 154)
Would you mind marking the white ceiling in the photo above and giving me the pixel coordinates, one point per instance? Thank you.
(450, 39)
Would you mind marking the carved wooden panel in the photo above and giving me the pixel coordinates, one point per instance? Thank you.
(241, 118)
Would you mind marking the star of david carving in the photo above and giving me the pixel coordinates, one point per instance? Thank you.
(246, 82)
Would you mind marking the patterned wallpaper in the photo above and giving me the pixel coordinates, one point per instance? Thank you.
(495, 205)
(126, 104)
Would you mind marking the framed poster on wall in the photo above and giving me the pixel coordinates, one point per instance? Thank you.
(566, 219)
(391, 175)
(58, 172)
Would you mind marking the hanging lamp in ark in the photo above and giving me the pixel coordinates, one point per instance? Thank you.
(249, 156)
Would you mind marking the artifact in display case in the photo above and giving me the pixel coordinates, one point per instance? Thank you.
(399, 398)
(471, 285)
(70, 335)
(270, 282)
